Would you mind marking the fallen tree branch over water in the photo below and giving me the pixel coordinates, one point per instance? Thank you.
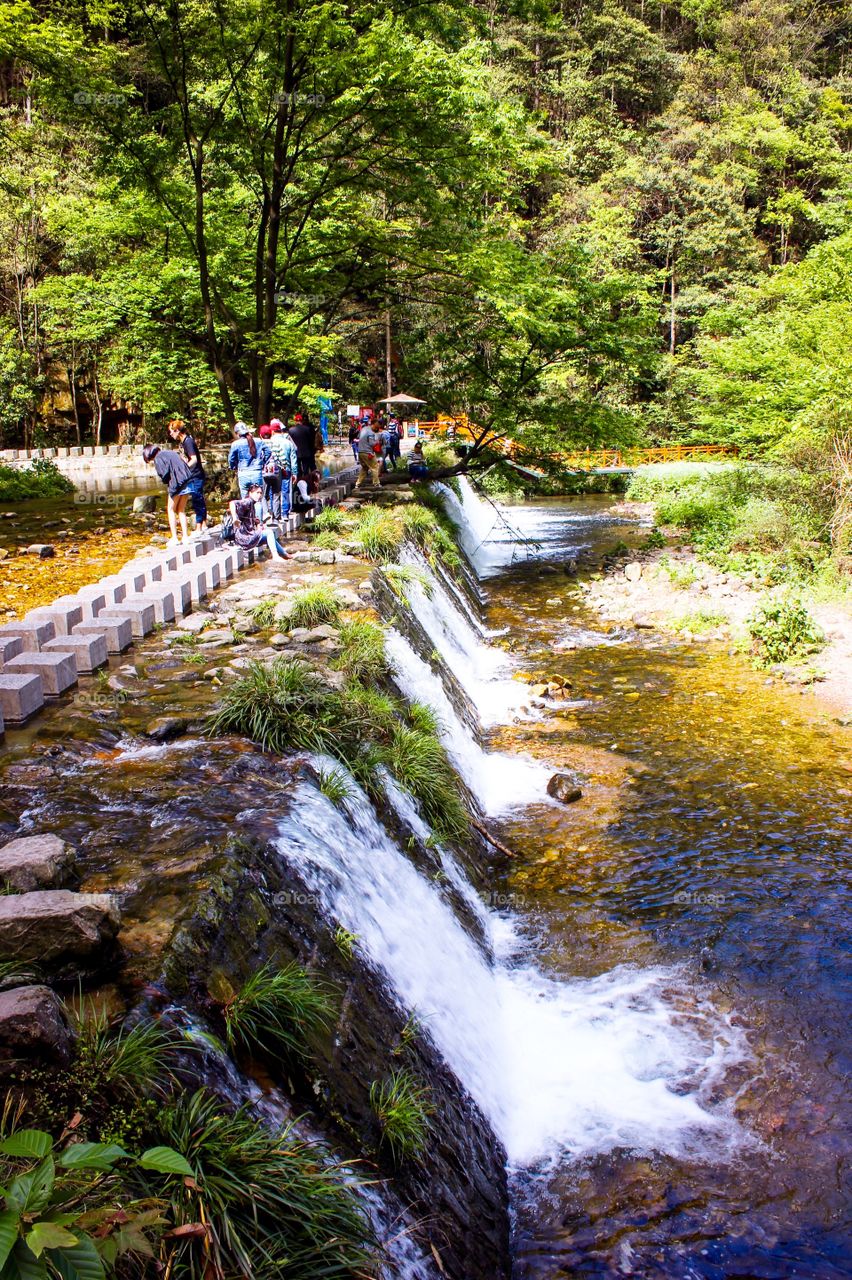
(498, 844)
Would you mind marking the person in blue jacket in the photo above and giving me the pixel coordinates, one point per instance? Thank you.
(247, 458)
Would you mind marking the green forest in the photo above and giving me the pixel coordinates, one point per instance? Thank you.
(583, 223)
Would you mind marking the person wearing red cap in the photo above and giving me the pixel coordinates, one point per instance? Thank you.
(284, 451)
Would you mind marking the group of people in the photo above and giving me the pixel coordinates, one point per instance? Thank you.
(276, 471)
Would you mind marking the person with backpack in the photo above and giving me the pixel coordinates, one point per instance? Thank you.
(179, 434)
(273, 480)
(284, 451)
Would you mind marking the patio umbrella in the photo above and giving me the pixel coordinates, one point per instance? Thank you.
(401, 398)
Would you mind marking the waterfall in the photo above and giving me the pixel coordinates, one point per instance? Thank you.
(499, 782)
(559, 1068)
(484, 534)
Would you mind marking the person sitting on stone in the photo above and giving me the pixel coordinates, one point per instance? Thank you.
(249, 530)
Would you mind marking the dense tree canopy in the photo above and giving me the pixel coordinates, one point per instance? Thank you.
(586, 222)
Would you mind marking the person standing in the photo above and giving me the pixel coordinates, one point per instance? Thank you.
(354, 428)
(245, 459)
(302, 435)
(272, 477)
(369, 453)
(172, 469)
(180, 435)
(394, 442)
(284, 450)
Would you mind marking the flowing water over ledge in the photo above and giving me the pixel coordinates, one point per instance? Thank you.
(683, 1057)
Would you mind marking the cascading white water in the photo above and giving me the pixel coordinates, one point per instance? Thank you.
(484, 533)
(479, 667)
(558, 1067)
(499, 782)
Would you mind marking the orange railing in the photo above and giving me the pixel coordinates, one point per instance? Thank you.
(585, 459)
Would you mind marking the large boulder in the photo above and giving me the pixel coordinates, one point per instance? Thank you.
(146, 502)
(35, 862)
(55, 927)
(33, 1025)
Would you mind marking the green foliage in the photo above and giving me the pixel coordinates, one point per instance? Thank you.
(278, 1010)
(345, 942)
(313, 605)
(782, 629)
(274, 1205)
(334, 785)
(362, 651)
(419, 762)
(263, 614)
(68, 1208)
(329, 520)
(41, 479)
(132, 1060)
(284, 706)
(400, 576)
(380, 533)
(699, 621)
(402, 1107)
(326, 542)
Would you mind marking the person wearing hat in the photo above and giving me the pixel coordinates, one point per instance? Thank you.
(246, 458)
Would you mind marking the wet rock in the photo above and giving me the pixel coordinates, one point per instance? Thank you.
(539, 690)
(167, 728)
(633, 571)
(193, 622)
(55, 927)
(35, 862)
(323, 632)
(41, 549)
(146, 502)
(563, 787)
(33, 1024)
(643, 622)
(279, 640)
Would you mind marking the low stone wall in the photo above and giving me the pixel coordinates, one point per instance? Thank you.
(98, 463)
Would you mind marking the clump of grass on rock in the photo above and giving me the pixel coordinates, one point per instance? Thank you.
(313, 605)
(402, 1107)
(278, 1010)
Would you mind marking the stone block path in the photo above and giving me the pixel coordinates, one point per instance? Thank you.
(42, 655)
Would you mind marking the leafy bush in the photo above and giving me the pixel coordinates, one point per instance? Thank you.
(69, 1210)
(273, 1206)
(276, 1010)
(760, 525)
(402, 1107)
(312, 605)
(782, 629)
(42, 479)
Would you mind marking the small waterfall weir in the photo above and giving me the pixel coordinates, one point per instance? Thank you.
(562, 1069)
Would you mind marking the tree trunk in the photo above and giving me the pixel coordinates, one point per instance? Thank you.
(72, 383)
(213, 353)
(672, 318)
(388, 362)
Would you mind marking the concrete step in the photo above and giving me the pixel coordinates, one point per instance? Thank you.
(63, 616)
(21, 696)
(90, 651)
(140, 614)
(58, 671)
(31, 634)
(117, 632)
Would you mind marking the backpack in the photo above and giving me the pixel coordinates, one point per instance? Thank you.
(227, 534)
(271, 466)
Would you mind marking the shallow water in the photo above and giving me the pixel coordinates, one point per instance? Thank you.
(713, 837)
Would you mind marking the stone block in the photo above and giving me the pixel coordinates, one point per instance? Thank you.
(212, 571)
(161, 598)
(21, 696)
(139, 574)
(90, 651)
(9, 647)
(139, 612)
(43, 550)
(92, 600)
(116, 589)
(58, 671)
(31, 634)
(63, 616)
(179, 585)
(117, 632)
(35, 862)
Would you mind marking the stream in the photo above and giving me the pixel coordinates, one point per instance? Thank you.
(688, 1118)
(656, 1021)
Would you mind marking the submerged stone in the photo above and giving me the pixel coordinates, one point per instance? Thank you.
(563, 787)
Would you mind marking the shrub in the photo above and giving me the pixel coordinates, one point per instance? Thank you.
(312, 605)
(760, 525)
(276, 1010)
(273, 1206)
(130, 1059)
(402, 1107)
(42, 479)
(362, 651)
(783, 629)
(380, 533)
(700, 620)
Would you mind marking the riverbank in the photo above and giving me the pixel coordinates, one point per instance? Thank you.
(674, 590)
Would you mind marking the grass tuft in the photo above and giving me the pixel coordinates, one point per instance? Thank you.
(334, 785)
(380, 533)
(313, 605)
(276, 1010)
(402, 1107)
(363, 649)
